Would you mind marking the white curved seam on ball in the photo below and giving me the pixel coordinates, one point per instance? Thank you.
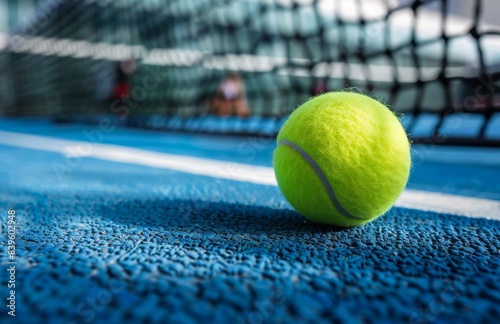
(321, 176)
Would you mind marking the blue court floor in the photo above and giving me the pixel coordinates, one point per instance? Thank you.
(104, 240)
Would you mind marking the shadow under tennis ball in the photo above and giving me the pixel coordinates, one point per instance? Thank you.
(217, 217)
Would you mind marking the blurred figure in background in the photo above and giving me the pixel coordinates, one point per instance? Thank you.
(230, 99)
(122, 86)
(321, 86)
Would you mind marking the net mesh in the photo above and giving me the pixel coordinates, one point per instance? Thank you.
(166, 58)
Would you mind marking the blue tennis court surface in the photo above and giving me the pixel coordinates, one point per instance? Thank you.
(101, 241)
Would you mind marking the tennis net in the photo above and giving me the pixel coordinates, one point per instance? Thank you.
(156, 62)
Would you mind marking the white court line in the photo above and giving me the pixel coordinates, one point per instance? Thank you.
(414, 199)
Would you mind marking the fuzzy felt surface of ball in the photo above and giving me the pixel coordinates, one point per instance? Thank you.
(342, 159)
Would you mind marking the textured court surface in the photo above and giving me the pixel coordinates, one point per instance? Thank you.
(111, 243)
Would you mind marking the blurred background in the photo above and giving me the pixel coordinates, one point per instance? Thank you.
(226, 66)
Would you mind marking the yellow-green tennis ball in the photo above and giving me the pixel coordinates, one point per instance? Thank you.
(342, 159)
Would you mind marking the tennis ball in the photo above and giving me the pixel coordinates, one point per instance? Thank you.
(342, 158)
